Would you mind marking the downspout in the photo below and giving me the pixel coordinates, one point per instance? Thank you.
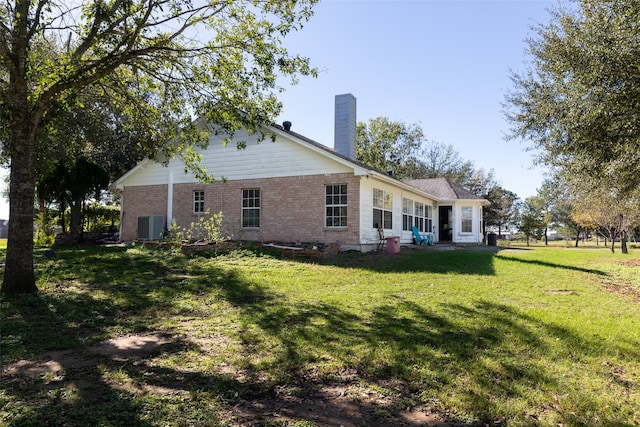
(170, 199)
(121, 226)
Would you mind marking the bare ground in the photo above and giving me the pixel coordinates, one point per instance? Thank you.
(346, 403)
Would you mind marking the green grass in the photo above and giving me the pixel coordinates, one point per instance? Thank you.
(525, 336)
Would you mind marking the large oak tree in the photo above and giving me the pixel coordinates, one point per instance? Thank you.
(168, 61)
(578, 102)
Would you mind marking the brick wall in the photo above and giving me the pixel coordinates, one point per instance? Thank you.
(138, 201)
(292, 208)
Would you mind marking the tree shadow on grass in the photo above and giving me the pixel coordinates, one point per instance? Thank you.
(552, 265)
(64, 382)
(483, 360)
(463, 262)
(468, 358)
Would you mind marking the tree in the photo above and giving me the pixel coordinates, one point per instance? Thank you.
(503, 209)
(389, 146)
(167, 61)
(532, 217)
(549, 193)
(614, 217)
(439, 160)
(393, 146)
(578, 102)
(560, 212)
(482, 182)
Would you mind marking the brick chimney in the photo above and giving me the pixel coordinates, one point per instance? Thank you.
(345, 126)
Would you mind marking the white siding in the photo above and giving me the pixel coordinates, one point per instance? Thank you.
(264, 159)
(367, 231)
(476, 233)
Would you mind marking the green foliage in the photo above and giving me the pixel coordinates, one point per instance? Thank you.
(532, 221)
(161, 64)
(502, 212)
(207, 228)
(100, 218)
(394, 146)
(389, 146)
(578, 102)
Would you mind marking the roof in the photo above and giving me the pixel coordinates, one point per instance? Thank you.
(443, 188)
(440, 188)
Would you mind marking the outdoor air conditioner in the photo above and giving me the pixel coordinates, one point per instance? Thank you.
(150, 227)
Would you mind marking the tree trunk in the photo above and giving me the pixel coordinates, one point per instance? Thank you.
(75, 225)
(546, 238)
(623, 242)
(19, 276)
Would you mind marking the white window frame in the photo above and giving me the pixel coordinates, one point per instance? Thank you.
(336, 205)
(382, 203)
(407, 214)
(428, 218)
(466, 219)
(198, 201)
(251, 207)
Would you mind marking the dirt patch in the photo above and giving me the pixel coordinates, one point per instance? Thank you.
(123, 348)
(130, 347)
(336, 405)
(631, 262)
(624, 290)
(349, 403)
(560, 292)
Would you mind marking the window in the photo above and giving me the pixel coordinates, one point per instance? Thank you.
(467, 219)
(416, 214)
(198, 202)
(336, 205)
(407, 214)
(251, 208)
(419, 221)
(382, 209)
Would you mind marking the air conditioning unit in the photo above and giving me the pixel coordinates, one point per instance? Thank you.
(150, 227)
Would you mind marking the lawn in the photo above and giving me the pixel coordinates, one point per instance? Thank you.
(138, 336)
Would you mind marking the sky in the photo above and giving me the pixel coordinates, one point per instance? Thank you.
(443, 65)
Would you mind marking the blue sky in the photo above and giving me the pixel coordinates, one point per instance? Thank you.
(443, 65)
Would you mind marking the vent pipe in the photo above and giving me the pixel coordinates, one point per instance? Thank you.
(286, 125)
(345, 126)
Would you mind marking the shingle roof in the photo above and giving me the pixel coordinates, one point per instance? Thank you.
(442, 188)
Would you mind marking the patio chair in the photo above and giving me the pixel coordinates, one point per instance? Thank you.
(381, 239)
(420, 240)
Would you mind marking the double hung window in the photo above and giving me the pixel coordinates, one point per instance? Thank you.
(336, 205)
(198, 202)
(382, 209)
(251, 208)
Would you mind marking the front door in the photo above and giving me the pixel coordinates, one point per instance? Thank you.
(445, 225)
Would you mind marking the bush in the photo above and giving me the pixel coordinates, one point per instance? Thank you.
(208, 228)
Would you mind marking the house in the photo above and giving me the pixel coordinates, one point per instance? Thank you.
(296, 190)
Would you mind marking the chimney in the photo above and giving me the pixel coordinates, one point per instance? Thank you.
(345, 126)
